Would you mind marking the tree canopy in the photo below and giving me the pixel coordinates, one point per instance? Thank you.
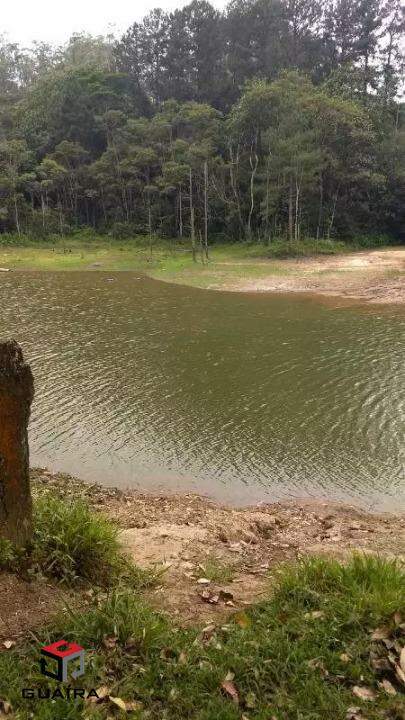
(272, 118)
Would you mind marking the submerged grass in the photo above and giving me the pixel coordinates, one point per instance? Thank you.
(296, 656)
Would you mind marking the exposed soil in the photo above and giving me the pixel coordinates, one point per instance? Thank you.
(375, 276)
(184, 536)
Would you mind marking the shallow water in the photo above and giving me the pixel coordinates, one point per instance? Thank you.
(240, 397)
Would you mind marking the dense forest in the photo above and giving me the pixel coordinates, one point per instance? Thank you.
(273, 118)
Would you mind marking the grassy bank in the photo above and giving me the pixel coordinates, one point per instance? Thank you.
(307, 652)
(167, 260)
(326, 639)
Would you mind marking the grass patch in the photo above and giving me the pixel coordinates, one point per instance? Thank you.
(296, 656)
(217, 571)
(71, 542)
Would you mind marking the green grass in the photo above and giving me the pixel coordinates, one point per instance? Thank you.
(216, 570)
(296, 656)
(72, 544)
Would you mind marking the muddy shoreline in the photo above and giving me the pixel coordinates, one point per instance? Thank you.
(182, 537)
(372, 276)
(181, 533)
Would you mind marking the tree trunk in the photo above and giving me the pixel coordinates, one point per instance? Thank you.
(192, 219)
(150, 228)
(290, 211)
(16, 395)
(320, 213)
(17, 219)
(206, 209)
(180, 212)
(297, 207)
(253, 168)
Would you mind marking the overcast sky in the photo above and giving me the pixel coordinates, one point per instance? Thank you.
(53, 21)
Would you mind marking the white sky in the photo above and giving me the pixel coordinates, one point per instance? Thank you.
(54, 21)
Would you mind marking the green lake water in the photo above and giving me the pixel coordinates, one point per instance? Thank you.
(241, 397)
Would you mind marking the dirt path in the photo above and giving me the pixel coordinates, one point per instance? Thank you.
(376, 276)
(213, 559)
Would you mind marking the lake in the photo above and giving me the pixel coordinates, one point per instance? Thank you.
(240, 397)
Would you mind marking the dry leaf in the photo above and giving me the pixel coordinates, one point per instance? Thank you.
(397, 618)
(5, 707)
(182, 658)
(345, 657)
(243, 620)
(229, 688)
(364, 693)
(400, 674)
(203, 581)
(167, 653)
(314, 615)
(8, 644)
(353, 713)
(380, 664)
(103, 693)
(110, 641)
(382, 633)
(119, 703)
(402, 659)
(388, 687)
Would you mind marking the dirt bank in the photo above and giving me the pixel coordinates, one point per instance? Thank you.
(376, 276)
(213, 559)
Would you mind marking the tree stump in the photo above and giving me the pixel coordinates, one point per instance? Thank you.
(16, 395)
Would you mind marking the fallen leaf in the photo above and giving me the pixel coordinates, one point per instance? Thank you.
(5, 707)
(208, 597)
(110, 641)
(133, 705)
(364, 693)
(388, 687)
(229, 688)
(380, 664)
(103, 693)
(119, 703)
(8, 644)
(243, 620)
(353, 713)
(400, 674)
(397, 618)
(182, 658)
(167, 653)
(314, 615)
(402, 659)
(381, 633)
(203, 581)
(345, 658)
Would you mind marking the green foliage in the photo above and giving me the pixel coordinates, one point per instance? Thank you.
(203, 123)
(8, 554)
(298, 654)
(70, 542)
